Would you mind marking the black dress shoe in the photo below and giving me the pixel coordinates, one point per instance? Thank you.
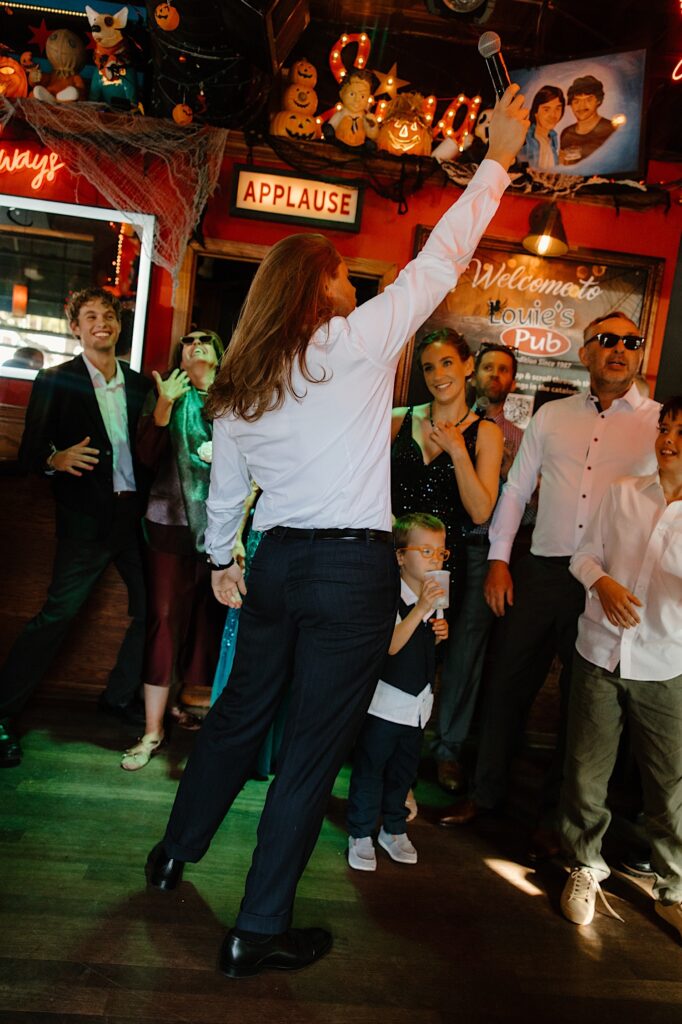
(290, 951)
(163, 872)
(10, 751)
(132, 712)
(638, 864)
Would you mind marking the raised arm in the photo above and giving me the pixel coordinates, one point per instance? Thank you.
(379, 328)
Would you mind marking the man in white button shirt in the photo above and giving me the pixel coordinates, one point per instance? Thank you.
(80, 430)
(578, 446)
(629, 665)
(302, 404)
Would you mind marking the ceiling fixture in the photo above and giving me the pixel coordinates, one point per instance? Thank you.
(546, 236)
(442, 7)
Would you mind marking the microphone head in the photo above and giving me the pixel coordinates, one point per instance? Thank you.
(482, 404)
(489, 44)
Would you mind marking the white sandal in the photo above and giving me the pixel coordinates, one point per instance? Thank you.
(140, 755)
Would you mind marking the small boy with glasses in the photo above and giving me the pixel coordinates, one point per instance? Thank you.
(387, 751)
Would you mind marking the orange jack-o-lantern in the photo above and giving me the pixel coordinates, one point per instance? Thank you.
(300, 99)
(303, 73)
(182, 114)
(405, 129)
(295, 126)
(166, 17)
(12, 78)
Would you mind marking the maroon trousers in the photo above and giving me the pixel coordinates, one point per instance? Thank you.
(184, 621)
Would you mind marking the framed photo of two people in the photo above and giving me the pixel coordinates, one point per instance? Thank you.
(586, 115)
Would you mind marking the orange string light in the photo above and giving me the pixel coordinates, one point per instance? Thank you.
(444, 125)
(336, 64)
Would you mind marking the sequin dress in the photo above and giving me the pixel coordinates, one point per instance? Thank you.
(417, 486)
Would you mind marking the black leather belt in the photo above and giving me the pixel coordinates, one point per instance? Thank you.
(125, 494)
(556, 559)
(293, 533)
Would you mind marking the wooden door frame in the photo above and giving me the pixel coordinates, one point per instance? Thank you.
(217, 248)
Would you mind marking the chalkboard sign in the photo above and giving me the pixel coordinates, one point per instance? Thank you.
(539, 307)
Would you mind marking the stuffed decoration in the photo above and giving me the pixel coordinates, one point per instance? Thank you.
(295, 126)
(114, 81)
(405, 129)
(12, 78)
(352, 123)
(166, 17)
(66, 53)
(182, 113)
(297, 119)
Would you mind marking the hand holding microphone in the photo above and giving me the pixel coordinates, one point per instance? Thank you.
(509, 122)
(490, 48)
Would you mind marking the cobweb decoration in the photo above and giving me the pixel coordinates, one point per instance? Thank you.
(138, 164)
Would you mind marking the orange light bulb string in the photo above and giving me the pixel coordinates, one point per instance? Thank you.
(444, 125)
(338, 68)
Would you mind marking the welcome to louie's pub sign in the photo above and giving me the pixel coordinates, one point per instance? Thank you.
(540, 307)
(286, 197)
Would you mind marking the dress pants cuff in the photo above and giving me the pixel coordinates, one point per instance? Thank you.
(263, 925)
(179, 852)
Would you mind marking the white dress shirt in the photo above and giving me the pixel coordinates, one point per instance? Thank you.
(636, 538)
(111, 398)
(394, 705)
(323, 460)
(579, 451)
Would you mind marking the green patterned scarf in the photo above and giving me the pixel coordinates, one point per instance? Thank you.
(188, 430)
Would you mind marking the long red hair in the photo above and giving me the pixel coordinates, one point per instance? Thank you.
(287, 302)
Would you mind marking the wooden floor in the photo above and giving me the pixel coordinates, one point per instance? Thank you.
(469, 934)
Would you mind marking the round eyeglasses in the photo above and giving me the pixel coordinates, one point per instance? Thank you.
(427, 552)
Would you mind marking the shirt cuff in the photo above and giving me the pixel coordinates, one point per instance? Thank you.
(500, 551)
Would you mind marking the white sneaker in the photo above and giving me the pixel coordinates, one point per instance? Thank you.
(399, 848)
(672, 913)
(361, 855)
(580, 896)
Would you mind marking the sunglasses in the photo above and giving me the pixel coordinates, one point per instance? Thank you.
(632, 342)
(192, 339)
(428, 552)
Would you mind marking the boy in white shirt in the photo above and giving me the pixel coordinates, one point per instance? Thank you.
(387, 752)
(629, 663)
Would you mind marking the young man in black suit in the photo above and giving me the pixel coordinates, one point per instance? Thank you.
(80, 430)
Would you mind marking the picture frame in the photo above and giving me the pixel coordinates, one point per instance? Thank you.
(586, 115)
(539, 307)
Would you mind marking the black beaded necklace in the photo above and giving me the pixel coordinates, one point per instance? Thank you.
(454, 424)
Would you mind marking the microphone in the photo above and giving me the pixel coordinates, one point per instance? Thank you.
(489, 47)
(481, 405)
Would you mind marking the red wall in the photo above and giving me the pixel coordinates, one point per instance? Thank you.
(387, 236)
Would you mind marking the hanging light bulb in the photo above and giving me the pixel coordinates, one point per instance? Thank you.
(546, 236)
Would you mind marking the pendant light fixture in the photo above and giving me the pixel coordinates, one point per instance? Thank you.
(546, 236)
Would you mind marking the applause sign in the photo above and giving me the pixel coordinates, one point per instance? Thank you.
(540, 307)
(282, 196)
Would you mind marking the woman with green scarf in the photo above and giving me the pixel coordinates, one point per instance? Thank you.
(184, 620)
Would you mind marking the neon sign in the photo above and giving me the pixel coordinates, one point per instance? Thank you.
(44, 165)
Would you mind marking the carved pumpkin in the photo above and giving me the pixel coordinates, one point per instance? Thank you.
(182, 114)
(300, 99)
(166, 17)
(12, 78)
(405, 129)
(295, 126)
(303, 73)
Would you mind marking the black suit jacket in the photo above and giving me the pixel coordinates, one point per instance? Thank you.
(62, 410)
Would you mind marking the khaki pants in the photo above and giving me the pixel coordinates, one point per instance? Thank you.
(599, 703)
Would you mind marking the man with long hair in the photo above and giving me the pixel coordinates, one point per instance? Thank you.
(302, 404)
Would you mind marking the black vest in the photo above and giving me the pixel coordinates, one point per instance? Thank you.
(415, 664)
